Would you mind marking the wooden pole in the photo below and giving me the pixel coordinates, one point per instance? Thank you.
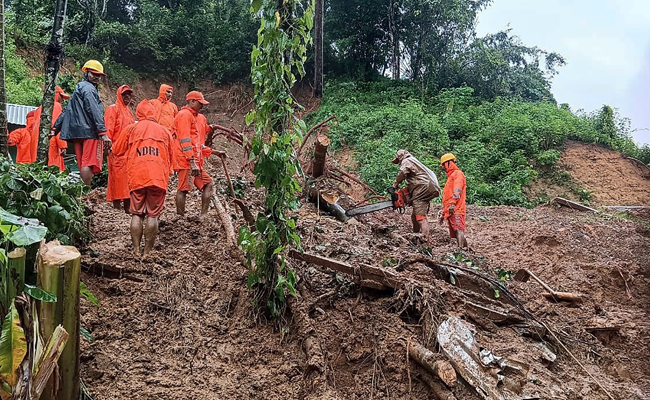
(58, 272)
(16, 273)
(4, 135)
(319, 12)
(52, 64)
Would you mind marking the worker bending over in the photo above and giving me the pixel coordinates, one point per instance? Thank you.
(423, 187)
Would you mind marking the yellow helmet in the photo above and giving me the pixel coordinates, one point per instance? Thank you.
(447, 157)
(93, 65)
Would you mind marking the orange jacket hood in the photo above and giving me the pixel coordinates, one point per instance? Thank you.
(145, 111)
(162, 93)
(120, 90)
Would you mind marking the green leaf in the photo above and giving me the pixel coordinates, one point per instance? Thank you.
(40, 294)
(88, 294)
(13, 346)
(256, 5)
(27, 235)
(84, 332)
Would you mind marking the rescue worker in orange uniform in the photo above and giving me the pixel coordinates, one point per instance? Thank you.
(147, 147)
(21, 138)
(453, 200)
(57, 150)
(204, 130)
(117, 117)
(188, 154)
(166, 111)
(35, 126)
(82, 123)
(422, 186)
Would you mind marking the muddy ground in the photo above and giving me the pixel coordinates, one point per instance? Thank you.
(181, 324)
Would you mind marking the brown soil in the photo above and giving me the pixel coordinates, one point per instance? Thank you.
(181, 324)
(612, 178)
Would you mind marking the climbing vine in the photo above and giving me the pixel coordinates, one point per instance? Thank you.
(279, 55)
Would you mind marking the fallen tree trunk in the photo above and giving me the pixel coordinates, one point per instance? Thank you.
(225, 220)
(327, 204)
(437, 389)
(426, 358)
(574, 205)
(320, 154)
(368, 276)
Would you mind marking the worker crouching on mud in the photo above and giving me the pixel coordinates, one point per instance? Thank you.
(148, 149)
(453, 200)
(423, 187)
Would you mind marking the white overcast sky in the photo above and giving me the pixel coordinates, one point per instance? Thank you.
(606, 45)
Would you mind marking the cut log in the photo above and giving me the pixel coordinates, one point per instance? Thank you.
(378, 276)
(427, 359)
(438, 390)
(327, 203)
(320, 154)
(226, 222)
(58, 273)
(563, 296)
(573, 204)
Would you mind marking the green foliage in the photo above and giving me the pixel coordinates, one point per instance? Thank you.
(497, 142)
(281, 49)
(549, 157)
(44, 193)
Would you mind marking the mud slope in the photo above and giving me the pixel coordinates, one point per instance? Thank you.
(614, 178)
(182, 326)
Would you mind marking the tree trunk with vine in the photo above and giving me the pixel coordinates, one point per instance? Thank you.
(4, 148)
(52, 64)
(281, 49)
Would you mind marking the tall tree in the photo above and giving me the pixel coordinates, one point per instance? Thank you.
(4, 149)
(52, 63)
(318, 47)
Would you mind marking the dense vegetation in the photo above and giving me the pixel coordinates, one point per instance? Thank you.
(501, 144)
(402, 73)
(45, 194)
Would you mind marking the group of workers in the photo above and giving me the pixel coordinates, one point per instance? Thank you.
(422, 185)
(141, 155)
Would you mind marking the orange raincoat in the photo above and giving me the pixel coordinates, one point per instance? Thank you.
(147, 147)
(202, 129)
(187, 136)
(165, 110)
(454, 192)
(35, 125)
(54, 156)
(117, 117)
(21, 138)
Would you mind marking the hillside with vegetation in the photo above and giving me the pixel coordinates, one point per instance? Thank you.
(298, 304)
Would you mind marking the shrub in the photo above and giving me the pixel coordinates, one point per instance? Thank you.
(44, 193)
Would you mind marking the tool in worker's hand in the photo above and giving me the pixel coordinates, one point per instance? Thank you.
(523, 275)
(398, 201)
(244, 209)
